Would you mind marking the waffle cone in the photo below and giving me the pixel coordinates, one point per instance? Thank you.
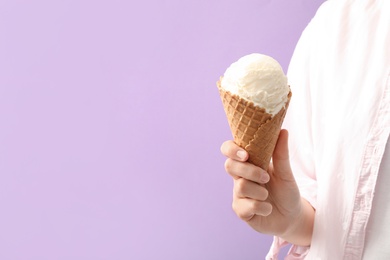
(253, 129)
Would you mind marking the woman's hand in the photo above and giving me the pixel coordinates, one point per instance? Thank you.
(269, 202)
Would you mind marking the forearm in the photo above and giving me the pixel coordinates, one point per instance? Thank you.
(300, 232)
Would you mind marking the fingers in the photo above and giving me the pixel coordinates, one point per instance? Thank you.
(248, 195)
(246, 209)
(246, 170)
(236, 166)
(248, 189)
(249, 199)
(233, 151)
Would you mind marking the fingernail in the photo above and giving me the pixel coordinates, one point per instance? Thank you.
(264, 177)
(241, 154)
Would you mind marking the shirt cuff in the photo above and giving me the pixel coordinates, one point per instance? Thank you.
(295, 252)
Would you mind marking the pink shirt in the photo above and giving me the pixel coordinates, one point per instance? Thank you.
(339, 123)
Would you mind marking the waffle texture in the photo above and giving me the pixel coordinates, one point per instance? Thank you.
(253, 129)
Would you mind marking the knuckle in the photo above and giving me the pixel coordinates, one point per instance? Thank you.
(239, 212)
(238, 209)
(223, 148)
(227, 148)
(235, 207)
(228, 165)
(240, 186)
(230, 148)
(241, 215)
(237, 191)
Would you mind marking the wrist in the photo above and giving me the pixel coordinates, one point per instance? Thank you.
(300, 230)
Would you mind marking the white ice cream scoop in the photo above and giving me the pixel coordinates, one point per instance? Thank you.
(260, 79)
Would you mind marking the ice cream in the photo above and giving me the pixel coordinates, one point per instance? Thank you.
(255, 96)
(260, 79)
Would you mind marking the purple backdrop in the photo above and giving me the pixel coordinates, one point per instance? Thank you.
(111, 123)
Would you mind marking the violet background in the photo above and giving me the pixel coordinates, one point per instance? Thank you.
(111, 123)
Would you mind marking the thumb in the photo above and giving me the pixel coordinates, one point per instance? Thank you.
(280, 157)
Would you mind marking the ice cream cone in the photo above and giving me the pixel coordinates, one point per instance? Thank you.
(253, 129)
